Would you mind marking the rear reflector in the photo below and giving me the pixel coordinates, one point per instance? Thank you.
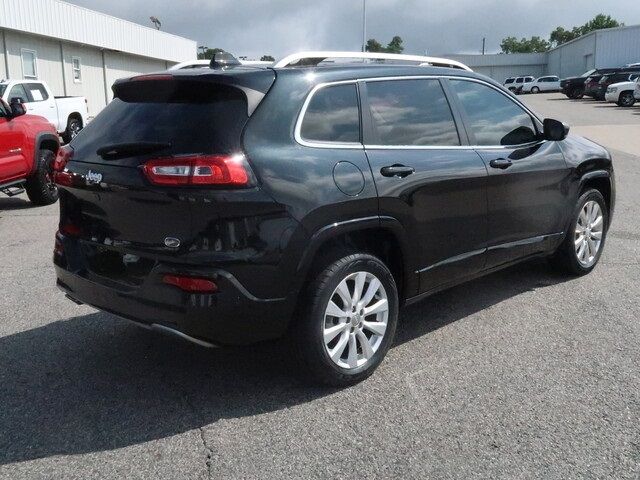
(190, 284)
(231, 170)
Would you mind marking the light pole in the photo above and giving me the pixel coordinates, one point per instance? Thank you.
(364, 25)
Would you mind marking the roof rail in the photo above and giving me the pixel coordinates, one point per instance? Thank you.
(312, 59)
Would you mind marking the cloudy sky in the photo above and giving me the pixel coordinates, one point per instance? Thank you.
(278, 27)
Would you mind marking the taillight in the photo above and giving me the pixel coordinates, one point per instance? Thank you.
(231, 170)
(59, 163)
(190, 284)
(62, 158)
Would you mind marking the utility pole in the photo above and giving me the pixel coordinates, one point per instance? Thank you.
(203, 48)
(484, 40)
(364, 25)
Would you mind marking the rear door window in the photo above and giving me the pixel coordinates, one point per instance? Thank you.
(37, 92)
(193, 117)
(333, 115)
(18, 91)
(494, 119)
(411, 112)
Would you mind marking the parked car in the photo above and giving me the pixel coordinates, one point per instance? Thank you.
(636, 92)
(601, 89)
(230, 206)
(67, 114)
(28, 145)
(574, 87)
(542, 84)
(515, 84)
(622, 93)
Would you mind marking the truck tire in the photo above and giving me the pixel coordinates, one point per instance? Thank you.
(626, 99)
(74, 125)
(40, 187)
(342, 350)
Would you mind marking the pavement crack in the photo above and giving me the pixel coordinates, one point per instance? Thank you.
(207, 449)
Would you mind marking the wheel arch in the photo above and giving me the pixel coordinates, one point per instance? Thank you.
(44, 141)
(383, 237)
(601, 180)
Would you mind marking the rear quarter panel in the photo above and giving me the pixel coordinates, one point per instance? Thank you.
(299, 178)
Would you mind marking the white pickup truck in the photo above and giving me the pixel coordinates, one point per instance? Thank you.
(67, 114)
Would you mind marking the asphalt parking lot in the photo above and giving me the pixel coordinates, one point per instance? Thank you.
(522, 374)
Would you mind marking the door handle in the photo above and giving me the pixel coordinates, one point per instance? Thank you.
(501, 163)
(397, 170)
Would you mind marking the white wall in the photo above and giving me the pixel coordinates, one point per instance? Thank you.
(58, 73)
(501, 66)
(618, 46)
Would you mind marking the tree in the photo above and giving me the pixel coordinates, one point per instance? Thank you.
(394, 46)
(599, 22)
(267, 58)
(209, 53)
(374, 46)
(531, 45)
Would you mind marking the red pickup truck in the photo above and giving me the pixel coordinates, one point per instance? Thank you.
(28, 145)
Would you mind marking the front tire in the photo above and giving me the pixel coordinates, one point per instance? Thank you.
(535, 90)
(74, 125)
(348, 320)
(576, 93)
(582, 247)
(40, 187)
(626, 99)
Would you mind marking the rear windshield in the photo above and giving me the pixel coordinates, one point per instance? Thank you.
(192, 116)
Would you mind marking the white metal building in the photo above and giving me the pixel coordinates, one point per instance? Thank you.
(79, 51)
(612, 47)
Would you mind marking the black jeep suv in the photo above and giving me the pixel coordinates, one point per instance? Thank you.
(236, 205)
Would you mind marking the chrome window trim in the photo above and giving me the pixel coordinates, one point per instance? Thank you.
(317, 143)
(360, 145)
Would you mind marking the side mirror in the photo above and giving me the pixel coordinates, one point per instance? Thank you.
(555, 130)
(17, 107)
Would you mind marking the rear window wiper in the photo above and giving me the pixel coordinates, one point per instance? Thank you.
(122, 150)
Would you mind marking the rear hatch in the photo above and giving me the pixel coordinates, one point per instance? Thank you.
(133, 171)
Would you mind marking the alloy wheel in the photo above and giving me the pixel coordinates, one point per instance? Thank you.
(355, 320)
(588, 233)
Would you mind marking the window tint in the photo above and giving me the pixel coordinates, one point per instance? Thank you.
(333, 115)
(18, 91)
(411, 112)
(37, 92)
(193, 117)
(494, 119)
(509, 80)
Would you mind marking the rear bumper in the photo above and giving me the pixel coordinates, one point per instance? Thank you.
(231, 316)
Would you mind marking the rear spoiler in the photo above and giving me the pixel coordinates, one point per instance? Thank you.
(253, 83)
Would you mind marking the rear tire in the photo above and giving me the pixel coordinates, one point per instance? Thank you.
(342, 350)
(535, 90)
(582, 247)
(626, 99)
(74, 125)
(40, 187)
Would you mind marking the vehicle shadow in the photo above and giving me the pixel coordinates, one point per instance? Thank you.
(95, 383)
(14, 203)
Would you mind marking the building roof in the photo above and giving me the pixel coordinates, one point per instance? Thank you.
(64, 21)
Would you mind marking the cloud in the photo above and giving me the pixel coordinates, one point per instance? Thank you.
(278, 27)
